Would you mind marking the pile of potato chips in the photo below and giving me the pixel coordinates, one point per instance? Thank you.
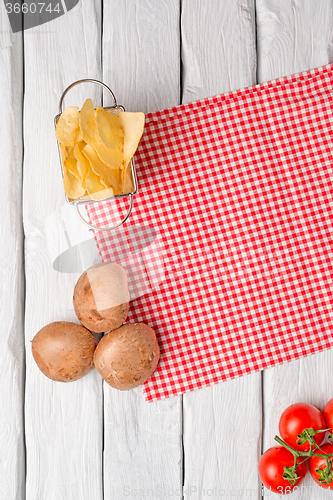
(96, 149)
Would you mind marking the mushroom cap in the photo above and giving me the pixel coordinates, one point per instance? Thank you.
(64, 351)
(127, 357)
(101, 297)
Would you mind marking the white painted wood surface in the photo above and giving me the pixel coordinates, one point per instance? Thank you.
(64, 424)
(294, 36)
(12, 459)
(222, 423)
(85, 440)
(142, 442)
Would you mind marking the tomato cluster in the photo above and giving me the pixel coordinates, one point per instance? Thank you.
(302, 428)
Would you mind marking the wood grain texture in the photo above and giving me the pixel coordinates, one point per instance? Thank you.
(63, 421)
(141, 63)
(12, 455)
(141, 53)
(294, 36)
(218, 47)
(222, 423)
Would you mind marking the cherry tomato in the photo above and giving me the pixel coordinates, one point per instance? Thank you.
(328, 414)
(316, 462)
(298, 417)
(271, 469)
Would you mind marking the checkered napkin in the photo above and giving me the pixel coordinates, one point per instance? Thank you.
(235, 192)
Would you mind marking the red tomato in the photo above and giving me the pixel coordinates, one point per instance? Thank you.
(328, 414)
(298, 417)
(271, 466)
(319, 462)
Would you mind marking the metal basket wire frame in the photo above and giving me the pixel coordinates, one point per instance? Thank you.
(78, 202)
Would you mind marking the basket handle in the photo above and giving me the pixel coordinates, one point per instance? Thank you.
(85, 80)
(96, 228)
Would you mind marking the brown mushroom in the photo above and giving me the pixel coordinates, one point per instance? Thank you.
(101, 297)
(127, 357)
(64, 351)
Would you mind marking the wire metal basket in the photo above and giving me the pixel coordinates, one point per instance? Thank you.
(80, 201)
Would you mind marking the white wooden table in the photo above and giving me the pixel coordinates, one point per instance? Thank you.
(85, 441)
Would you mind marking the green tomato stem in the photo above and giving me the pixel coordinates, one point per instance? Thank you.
(282, 443)
(299, 453)
(327, 470)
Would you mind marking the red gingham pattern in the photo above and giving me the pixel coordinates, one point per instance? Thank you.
(239, 190)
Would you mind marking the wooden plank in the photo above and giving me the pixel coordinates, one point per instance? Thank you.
(64, 422)
(222, 424)
(294, 37)
(141, 63)
(12, 454)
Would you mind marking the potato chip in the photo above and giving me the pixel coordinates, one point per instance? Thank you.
(80, 146)
(110, 188)
(83, 164)
(72, 185)
(112, 176)
(66, 126)
(85, 197)
(70, 152)
(109, 130)
(87, 122)
(127, 178)
(63, 153)
(96, 189)
(133, 125)
(71, 165)
(78, 137)
(112, 157)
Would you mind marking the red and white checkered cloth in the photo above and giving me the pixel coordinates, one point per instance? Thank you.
(233, 220)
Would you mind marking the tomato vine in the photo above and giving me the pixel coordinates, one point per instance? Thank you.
(326, 473)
